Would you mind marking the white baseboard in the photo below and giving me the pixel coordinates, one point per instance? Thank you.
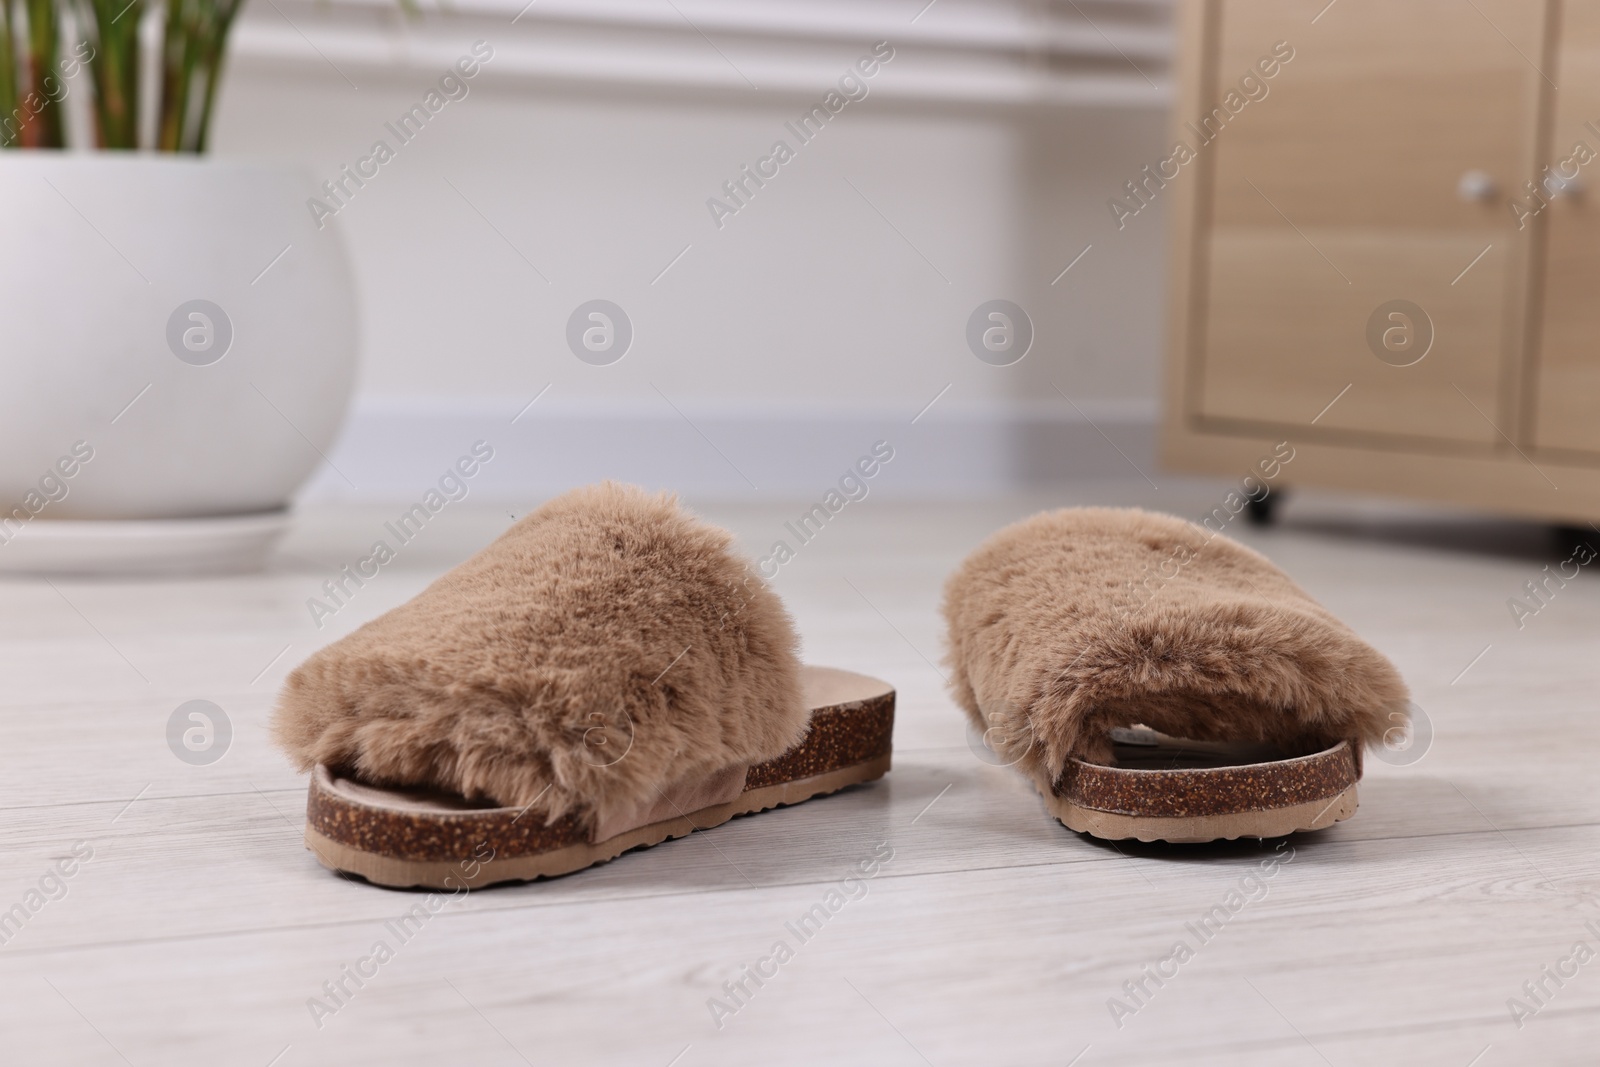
(397, 449)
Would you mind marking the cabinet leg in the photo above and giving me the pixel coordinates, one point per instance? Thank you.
(1263, 511)
(1570, 539)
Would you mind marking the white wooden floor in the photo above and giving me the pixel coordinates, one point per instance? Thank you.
(201, 928)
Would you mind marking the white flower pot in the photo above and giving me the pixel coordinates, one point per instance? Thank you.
(182, 323)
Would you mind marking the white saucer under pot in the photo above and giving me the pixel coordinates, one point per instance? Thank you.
(180, 352)
(225, 545)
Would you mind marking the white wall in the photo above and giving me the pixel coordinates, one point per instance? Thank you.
(806, 327)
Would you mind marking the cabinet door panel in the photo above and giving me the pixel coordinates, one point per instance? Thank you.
(1288, 334)
(1337, 193)
(1567, 383)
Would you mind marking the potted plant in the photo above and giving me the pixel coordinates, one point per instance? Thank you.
(180, 338)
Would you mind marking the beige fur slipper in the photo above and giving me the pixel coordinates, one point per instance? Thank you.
(607, 674)
(1159, 681)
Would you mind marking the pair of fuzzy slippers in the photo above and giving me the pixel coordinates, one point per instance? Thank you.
(610, 674)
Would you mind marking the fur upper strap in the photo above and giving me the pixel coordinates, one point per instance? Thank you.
(605, 647)
(1073, 622)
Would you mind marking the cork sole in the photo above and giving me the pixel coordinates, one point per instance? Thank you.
(403, 838)
(448, 874)
(1162, 788)
(1179, 830)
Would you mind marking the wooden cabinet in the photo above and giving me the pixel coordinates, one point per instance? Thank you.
(1564, 383)
(1359, 264)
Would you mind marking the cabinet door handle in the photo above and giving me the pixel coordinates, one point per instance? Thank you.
(1477, 185)
(1557, 186)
